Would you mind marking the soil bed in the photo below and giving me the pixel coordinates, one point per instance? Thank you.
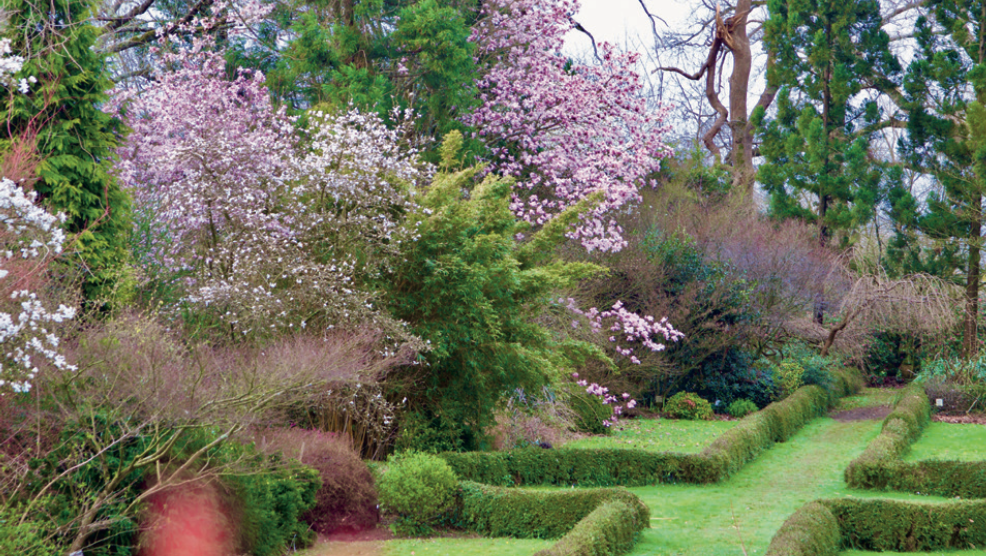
(873, 413)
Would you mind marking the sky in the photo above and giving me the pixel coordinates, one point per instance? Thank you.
(614, 20)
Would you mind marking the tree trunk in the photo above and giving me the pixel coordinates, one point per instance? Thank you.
(741, 155)
(970, 335)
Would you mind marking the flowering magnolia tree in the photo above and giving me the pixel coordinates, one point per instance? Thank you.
(31, 238)
(564, 130)
(265, 227)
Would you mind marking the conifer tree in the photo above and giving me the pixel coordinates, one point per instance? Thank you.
(60, 123)
(817, 154)
(945, 95)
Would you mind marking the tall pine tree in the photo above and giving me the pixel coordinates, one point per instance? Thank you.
(818, 166)
(60, 123)
(945, 95)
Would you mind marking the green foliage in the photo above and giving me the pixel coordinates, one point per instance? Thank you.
(788, 377)
(878, 467)
(60, 122)
(593, 522)
(628, 467)
(686, 405)
(419, 488)
(590, 411)
(892, 525)
(274, 502)
(24, 539)
(377, 56)
(611, 529)
(810, 531)
(741, 408)
(818, 143)
(271, 497)
(471, 290)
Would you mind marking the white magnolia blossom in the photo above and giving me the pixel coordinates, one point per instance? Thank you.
(31, 237)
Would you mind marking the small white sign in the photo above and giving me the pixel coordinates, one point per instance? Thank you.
(940, 402)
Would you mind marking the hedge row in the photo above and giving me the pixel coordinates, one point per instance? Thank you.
(598, 522)
(810, 531)
(880, 466)
(880, 525)
(611, 467)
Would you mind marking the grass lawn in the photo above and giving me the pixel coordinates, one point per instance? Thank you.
(658, 435)
(730, 518)
(869, 397)
(950, 441)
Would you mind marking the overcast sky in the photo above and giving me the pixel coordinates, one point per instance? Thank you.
(614, 20)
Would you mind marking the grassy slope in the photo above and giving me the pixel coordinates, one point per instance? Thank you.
(722, 519)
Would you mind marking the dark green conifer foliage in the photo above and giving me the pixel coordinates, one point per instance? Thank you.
(377, 55)
(475, 293)
(74, 139)
(817, 165)
(945, 94)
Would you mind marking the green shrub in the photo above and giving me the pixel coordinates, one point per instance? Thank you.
(810, 531)
(788, 375)
(273, 503)
(26, 539)
(741, 408)
(419, 489)
(590, 411)
(686, 405)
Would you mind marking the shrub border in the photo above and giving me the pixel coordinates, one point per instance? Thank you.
(881, 467)
(726, 455)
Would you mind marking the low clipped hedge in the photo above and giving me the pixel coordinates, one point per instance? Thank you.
(810, 531)
(620, 467)
(589, 522)
(880, 466)
(880, 525)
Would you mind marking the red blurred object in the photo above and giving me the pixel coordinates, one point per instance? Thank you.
(188, 521)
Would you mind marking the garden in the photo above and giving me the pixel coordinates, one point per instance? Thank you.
(412, 277)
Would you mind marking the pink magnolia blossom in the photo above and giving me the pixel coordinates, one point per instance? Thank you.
(565, 131)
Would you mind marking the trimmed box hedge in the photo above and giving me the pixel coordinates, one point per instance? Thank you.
(810, 531)
(880, 466)
(593, 522)
(880, 525)
(620, 467)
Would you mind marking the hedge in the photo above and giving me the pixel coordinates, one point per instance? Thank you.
(810, 531)
(881, 525)
(620, 467)
(880, 466)
(593, 522)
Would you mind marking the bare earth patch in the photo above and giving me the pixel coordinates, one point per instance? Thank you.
(872, 413)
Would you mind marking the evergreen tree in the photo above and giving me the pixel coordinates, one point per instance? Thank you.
(945, 94)
(377, 55)
(60, 122)
(817, 163)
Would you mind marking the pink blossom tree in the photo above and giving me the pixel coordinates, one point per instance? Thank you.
(564, 130)
(262, 225)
